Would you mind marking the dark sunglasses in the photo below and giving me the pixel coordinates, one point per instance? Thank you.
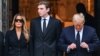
(20, 20)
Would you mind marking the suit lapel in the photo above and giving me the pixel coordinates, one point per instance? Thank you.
(14, 34)
(73, 35)
(50, 23)
(39, 27)
(84, 34)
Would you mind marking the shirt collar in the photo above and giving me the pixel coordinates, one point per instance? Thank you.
(47, 18)
(80, 30)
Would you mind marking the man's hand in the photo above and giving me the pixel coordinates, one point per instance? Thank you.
(72, 46)
(84, 45)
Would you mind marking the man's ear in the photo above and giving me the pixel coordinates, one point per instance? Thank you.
(48, 9)
(84, 22)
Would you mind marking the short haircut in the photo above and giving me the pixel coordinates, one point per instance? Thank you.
(44, 2)
(79, 15)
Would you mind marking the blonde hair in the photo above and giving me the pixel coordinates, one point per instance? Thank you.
(24, 27)
(79, 15)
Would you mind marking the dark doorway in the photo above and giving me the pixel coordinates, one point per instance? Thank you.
(15, 7)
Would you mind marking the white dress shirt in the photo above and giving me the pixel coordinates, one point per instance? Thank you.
(47, 21)
(81, 34)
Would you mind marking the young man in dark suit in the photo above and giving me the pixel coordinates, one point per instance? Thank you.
(78, 40)
(45, 31)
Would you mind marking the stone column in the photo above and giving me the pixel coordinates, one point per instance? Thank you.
(0, 15)
(5, 15)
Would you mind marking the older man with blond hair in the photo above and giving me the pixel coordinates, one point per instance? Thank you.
(78, 40)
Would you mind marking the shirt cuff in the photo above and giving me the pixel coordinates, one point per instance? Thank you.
(88, 49)
(68, 50)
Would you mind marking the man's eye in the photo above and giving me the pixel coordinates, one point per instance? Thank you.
(41, 8)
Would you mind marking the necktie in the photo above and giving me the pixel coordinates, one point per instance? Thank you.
(78, 39)
(44, 25)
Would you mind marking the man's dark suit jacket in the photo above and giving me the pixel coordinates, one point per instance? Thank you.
(45, 44)
(68, 36)
(1, 44)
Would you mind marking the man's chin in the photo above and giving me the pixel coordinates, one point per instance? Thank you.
(41, 15)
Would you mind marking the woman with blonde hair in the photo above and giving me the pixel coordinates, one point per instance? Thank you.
(17, 38)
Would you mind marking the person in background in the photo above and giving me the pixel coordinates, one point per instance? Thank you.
(89, 19)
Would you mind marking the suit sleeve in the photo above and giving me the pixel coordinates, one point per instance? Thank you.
(62, 43)
(6, 44)
(93, 45)
(2, 43)
(59, 29)
(31, 38)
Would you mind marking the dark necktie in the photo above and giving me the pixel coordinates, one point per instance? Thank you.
(44, 25)
(78, 39)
